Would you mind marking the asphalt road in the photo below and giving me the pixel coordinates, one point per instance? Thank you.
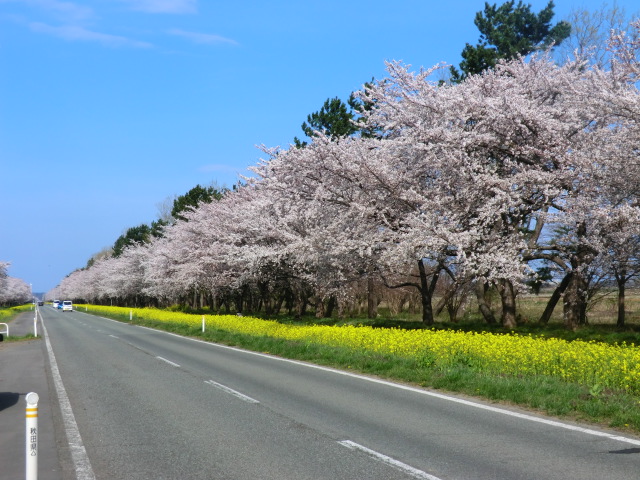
(150, 405)
(24, 369)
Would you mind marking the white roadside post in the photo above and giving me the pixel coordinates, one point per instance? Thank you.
(202, 323)
(130, 315)
(32, 436)
(35, 324)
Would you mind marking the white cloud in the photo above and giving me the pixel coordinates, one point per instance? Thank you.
(66, 10)
(75, 33)
(202, 38)
(164, 6)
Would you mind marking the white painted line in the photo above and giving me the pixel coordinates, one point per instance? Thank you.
(79, 456)
(408, 469)
(114, 336)
(502, 411)
(168, 361)
(231, 391)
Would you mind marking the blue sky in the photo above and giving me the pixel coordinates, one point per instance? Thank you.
(109, 107)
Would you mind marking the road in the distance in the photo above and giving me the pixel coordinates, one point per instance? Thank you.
(150, 405)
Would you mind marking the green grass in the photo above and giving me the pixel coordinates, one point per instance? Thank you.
(542, 394)
(7, 315)
(13, 338)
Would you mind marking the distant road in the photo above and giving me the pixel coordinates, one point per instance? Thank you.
(150, 405)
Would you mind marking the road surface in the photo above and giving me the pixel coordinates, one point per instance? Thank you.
(145, 404)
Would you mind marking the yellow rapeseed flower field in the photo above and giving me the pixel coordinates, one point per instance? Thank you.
(9, 312)
(587, 363)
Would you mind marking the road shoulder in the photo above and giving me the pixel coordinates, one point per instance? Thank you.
(24, 368)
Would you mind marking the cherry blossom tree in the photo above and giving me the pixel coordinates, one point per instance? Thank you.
(3, 273)
(14, 292)
(598, 209)
(452, 180)
(464, 175)
(475, 182)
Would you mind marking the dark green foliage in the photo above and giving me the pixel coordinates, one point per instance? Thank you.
(139, 235)
(506, 32)
(543, 275)
(157, 228)
(335, 119)
(360, 109)
(190, 200)
(338, 119)
(133, 236)
(146, 233)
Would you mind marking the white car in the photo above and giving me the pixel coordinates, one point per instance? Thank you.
(67, 306)
(55, 304)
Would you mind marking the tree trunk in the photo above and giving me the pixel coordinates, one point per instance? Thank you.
(572, 300)
(481, 290)
(575, 298)
(301, 307)
(555, 296)
(426, 293)
(239, 301)
(213, 304)
(584, 287)
(445, 301)
(278, 305)
(331, 306)
(575, 302)
(372, 301)
(320, 307)
(622, 280)
(508, 299)
(289, 300)
(452, 310)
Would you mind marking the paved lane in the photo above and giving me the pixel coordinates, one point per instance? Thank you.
(153, 405)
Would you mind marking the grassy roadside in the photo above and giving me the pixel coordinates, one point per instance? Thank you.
(13, 338)
(542, 394)
(7, 315)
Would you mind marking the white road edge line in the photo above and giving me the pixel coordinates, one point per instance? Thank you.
(502, 411)
(231, 391)
(79, 456)
(414, 472)
(169, 362)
